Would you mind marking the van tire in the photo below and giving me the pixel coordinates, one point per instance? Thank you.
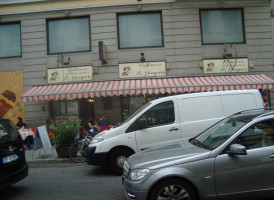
(176, 188)
(117, 159)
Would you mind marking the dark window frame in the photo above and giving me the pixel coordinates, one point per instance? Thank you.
(217, 9)
(10, 23)
(140, 13)
(68, 18)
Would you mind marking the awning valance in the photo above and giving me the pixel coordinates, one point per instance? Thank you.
(147, 86)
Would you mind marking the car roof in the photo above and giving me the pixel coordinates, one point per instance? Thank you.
(3, 119)
(253, 114)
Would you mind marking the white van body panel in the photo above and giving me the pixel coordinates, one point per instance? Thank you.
(197, 114)
(235, 102)
(193, 113)
(117, 137)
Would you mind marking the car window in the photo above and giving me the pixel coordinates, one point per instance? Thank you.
(258, 135)
(217, 134)
(162, 113)
(8, 131)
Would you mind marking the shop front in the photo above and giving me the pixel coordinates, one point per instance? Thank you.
(117, 99)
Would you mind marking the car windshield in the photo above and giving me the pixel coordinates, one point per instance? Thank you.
(135, 113)
(8, 131)
(217, 134)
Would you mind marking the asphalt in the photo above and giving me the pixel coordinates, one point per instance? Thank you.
(39, 156)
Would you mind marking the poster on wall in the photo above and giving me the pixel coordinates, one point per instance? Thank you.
(266, 98)
(11, 87)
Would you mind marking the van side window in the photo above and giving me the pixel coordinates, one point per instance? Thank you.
(162, 113)
(258, 136)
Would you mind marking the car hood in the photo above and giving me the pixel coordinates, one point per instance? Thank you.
(172, 154)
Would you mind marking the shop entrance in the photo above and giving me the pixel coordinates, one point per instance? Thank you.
(86, 108)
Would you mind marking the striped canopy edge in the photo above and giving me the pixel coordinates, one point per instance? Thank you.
(146, 86)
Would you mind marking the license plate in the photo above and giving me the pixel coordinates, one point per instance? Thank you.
(10, 158)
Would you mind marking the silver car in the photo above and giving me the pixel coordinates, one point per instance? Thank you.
(233, 159)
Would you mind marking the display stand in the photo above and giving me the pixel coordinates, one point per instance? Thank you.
(42, 140)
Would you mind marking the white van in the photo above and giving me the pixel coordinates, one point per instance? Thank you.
(166, 120)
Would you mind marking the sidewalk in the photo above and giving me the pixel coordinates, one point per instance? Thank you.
(33, 157)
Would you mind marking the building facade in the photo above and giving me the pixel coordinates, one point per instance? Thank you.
(109, 57)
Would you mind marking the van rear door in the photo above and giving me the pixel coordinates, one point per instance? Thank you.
(162, 126)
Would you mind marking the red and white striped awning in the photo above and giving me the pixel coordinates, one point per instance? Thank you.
(147, 86)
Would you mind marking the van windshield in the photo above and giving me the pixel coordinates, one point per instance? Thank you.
(8, 132)
(135, 113)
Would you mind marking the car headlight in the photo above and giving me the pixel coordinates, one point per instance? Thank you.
(138, 174)
(97, 139)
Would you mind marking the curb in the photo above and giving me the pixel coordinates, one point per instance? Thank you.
(49, 161)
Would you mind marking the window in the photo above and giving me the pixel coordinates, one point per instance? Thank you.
(222, 26)
(68, 35)
(258, 135)
(162, 113)
(8, 131)
(140, 30)
(64, 108)
(10, 40)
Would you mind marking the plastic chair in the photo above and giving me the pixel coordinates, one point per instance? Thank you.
(102, 128)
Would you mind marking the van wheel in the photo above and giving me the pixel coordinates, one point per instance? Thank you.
(117, 159)
(173, 189)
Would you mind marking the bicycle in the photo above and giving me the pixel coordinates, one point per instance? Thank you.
(77, 151)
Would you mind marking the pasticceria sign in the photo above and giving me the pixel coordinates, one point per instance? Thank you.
(225, 65)
(71, 74)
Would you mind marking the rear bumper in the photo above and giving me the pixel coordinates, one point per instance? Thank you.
(95, 158)
(14, 177)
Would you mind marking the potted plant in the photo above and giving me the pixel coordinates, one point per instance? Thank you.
(65, 133)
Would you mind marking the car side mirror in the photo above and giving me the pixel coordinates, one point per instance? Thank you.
(143, 124)
(237, 149)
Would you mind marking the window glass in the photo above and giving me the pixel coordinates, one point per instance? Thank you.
(10, 40)
(64, 108)
(140, 30)
(68, 35)
(162, 113)
(222, 26)
(258, 135)
(8, 132)
(217, 134)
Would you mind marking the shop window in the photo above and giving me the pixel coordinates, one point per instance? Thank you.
(68, 35)
(10, 40)
(140, 30)
(222, 26)
(64, 108)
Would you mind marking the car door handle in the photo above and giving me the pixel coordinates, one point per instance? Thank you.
(173, 129)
